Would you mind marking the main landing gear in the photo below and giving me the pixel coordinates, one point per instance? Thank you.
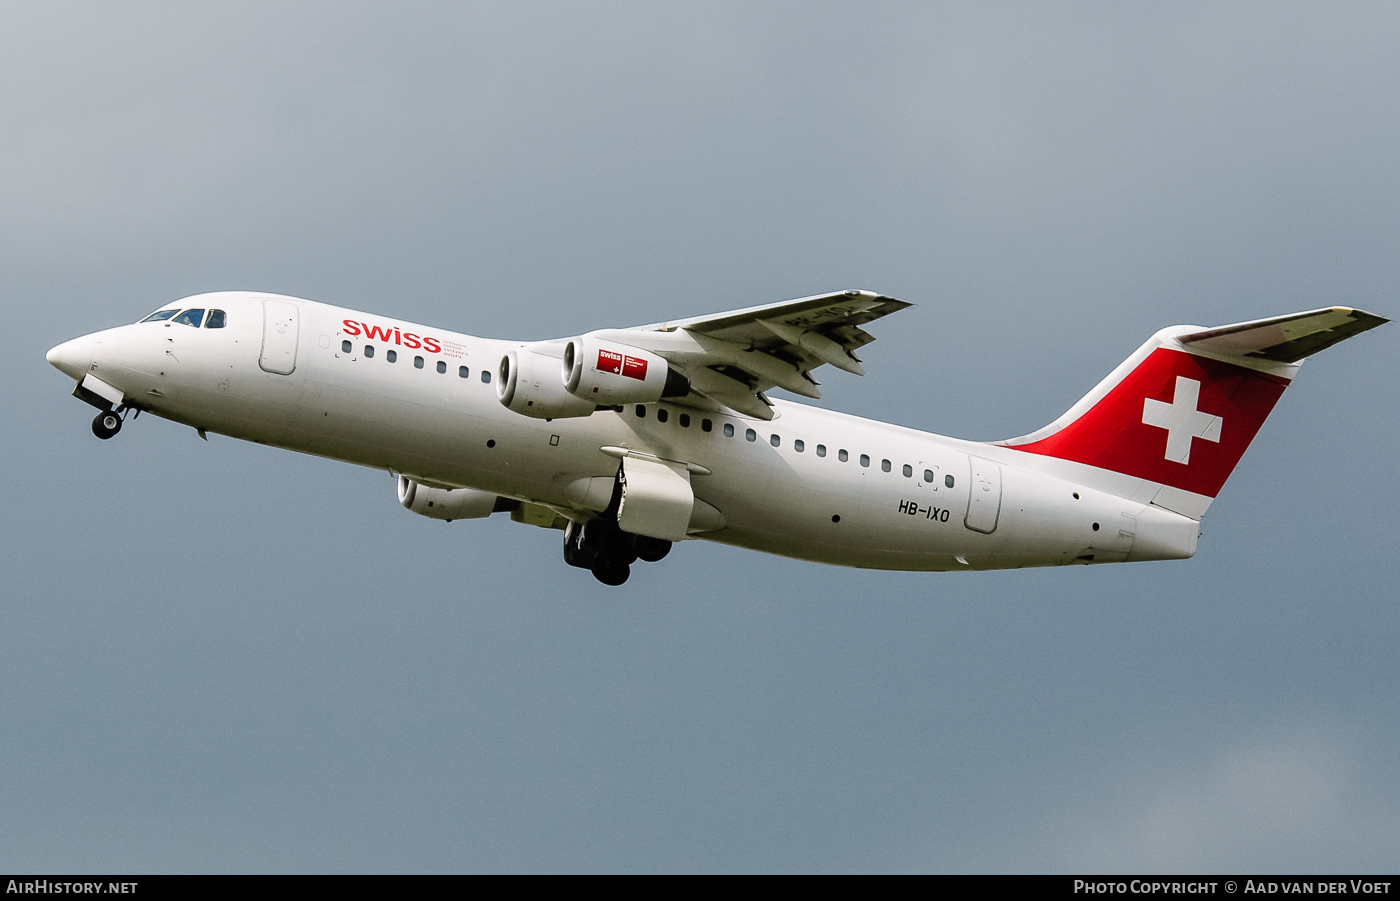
(599, 545)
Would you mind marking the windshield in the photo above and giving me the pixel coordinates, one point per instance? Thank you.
(191, 318)
(162, 315)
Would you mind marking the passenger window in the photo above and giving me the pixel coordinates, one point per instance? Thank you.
(369, 350)
(948, 480)
(799, 445)
(842, 455)
(706, 425)
(641, 412)
(417, 362)
(463, 372)
(684, 420)
(864, 459)
(775, 441)
(885, 465)
(729, 430)
(392, 356)
(191, 318)
(161, 316)
(821, 450)
(750, 434)
(346, 347)
(908, 471)
(486, 376)
(216, 319)
(662, 415)
(928, 475)
(441, 367)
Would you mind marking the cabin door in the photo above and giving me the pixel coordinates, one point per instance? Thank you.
(279, 344)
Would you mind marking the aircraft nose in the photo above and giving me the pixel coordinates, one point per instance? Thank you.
(72, 357)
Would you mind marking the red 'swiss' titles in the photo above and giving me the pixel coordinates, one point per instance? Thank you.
(378, 333)
(609, 362)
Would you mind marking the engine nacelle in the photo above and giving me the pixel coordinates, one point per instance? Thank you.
(445, 503)
(608, 373)
(529, 384)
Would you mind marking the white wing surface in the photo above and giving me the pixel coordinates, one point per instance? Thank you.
(731, 358)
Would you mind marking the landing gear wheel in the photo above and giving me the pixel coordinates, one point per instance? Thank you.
(611, 572)
(650, 549)
(618, 548)
(106, 425)
(578, 549)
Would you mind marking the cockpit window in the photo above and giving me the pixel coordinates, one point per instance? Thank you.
(191, 318)
(216, 319)
(162, 315)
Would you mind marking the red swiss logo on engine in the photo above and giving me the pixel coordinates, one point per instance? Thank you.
(609, 362)
(618, 364)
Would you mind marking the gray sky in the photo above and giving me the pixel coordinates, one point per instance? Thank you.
(224, 657)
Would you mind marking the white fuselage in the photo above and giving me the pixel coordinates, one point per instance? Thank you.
(936, 504)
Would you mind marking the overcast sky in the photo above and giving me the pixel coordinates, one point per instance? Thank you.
(219, 656)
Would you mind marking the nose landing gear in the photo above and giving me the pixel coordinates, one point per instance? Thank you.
(107, 424)
(109, 421)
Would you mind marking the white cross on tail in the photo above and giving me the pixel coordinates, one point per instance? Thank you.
(1181, 419)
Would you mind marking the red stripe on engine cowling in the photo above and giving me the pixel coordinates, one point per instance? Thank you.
(1112, 435)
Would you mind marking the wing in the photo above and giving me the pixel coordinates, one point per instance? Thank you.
(732, 358)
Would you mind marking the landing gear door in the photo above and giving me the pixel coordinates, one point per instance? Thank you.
(279, 345)
(984, 496)
(656, 499)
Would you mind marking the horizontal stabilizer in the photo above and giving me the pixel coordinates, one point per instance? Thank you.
(1285, 339)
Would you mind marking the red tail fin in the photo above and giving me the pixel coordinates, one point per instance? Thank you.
(1182, 410)
(1177, 419)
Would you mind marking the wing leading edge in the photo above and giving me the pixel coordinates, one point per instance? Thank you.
(732, 358)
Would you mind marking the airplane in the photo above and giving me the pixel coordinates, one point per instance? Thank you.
(629, 440)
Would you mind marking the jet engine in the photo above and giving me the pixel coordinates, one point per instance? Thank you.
(609, 373)
(446, 503)
(528, 385)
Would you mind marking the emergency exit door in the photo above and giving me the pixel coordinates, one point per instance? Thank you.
(984, 496)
